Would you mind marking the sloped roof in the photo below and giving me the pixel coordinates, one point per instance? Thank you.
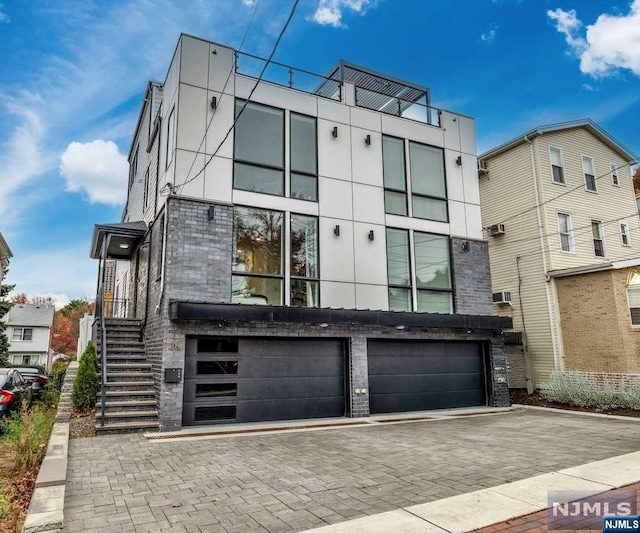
(30, 315)
(585, 123)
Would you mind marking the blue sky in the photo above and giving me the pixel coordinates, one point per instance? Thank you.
(72, 77)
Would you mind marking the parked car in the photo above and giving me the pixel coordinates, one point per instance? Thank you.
(36, 375)
(14, 389)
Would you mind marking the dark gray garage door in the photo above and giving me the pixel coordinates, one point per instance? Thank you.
(420, 375)
(259, 379)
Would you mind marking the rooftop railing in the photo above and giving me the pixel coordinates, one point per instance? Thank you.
(393, 105)
(287, 76)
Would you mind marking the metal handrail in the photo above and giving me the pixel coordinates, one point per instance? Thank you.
(103, 337)
(397, 106)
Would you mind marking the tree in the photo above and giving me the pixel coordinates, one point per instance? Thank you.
(21, 298)
(636, 180)
(87, 382)
(66, 326)
(4, 309)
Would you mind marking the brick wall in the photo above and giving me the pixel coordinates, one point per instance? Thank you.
(472, 277)
(516, 366)
(596, 328)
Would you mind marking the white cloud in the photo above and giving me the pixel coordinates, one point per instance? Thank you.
(489, 35)
(249, 3)
(4, 18)
(611, 43)
(329, 12)
(97, 169)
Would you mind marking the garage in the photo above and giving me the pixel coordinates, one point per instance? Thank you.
(421, 375)
(253, 379)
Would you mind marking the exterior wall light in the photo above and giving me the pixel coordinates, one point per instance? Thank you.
(123, 245)
(367, 140)
(371, 235)
(465, 246)
(211, 212)
(214, 102)
(323, 325)
(336, 230)
(459, 161)
(334, 132)
(400, 327)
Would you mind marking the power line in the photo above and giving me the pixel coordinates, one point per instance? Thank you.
(224, 87)
(529, 209)
(246, 102)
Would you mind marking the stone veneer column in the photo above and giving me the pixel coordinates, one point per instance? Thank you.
(359, 376)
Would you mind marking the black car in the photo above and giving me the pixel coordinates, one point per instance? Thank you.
(14, 389)
(36, 375)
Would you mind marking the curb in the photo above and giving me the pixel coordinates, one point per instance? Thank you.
(45, 513)
(583, 413)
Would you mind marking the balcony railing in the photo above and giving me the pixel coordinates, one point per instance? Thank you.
(116, 308)
(398, 107)
(287, 76)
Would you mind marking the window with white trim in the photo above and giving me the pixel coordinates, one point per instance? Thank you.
(598, 238)
(589, 174)
(22, 334)
(633, 295)
(614, 175)
(565, 230)
(557, 170)
(145, 192)
(624, 234)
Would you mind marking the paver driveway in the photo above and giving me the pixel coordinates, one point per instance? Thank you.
(296, 481)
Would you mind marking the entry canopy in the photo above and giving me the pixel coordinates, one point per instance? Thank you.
(122, 239)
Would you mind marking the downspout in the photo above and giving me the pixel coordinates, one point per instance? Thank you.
(554, 341)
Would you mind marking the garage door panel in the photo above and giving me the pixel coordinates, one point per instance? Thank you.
(300, 388)
(291, 347)
(265, 379)
(424, 383)
(290, 409)
(422, 375)
(398, 403)
(280, 366)
(394, 365)
(406, 348)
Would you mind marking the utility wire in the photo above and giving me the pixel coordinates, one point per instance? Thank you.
(222, 93)
(246, 102)
(528, 210)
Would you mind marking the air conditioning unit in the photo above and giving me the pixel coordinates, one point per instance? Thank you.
(496, 229)
(502, 297)
(482, 166)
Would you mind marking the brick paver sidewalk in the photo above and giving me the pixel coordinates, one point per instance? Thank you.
(536, 522)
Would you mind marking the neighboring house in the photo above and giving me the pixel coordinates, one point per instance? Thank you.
(85, 325)
(327, 261)
(564, 240)
(29, 333)
(5, 255)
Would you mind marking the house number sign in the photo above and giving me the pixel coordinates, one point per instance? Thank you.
(174, 346)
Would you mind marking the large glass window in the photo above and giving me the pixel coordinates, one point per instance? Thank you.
(304, 261)
(304, 161)
(399, 270)
(432, 266)
(427, 180)
(259, 149)
(257, 256)
(433, 273)
(395, 183)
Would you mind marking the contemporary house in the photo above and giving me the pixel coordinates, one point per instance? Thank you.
(29, 333)
(303, 246)
(5, 256)
(560, 214)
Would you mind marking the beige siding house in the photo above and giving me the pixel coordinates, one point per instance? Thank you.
(560, 213)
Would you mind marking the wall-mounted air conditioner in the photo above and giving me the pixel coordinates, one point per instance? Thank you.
(502, 297)
(496, 229)
(482, 166)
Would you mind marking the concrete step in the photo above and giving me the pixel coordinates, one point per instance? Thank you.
(125, 405)
(125, 366)
(123, 322)
(127, 427)
(119, 358)
(133, 377)
(141, 414)
(122, 386)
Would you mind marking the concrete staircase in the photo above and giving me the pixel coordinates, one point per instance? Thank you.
(131, 403)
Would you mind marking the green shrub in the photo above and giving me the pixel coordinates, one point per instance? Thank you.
(87, 382)
(26, 436)
(585, 390)
(58, 371)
